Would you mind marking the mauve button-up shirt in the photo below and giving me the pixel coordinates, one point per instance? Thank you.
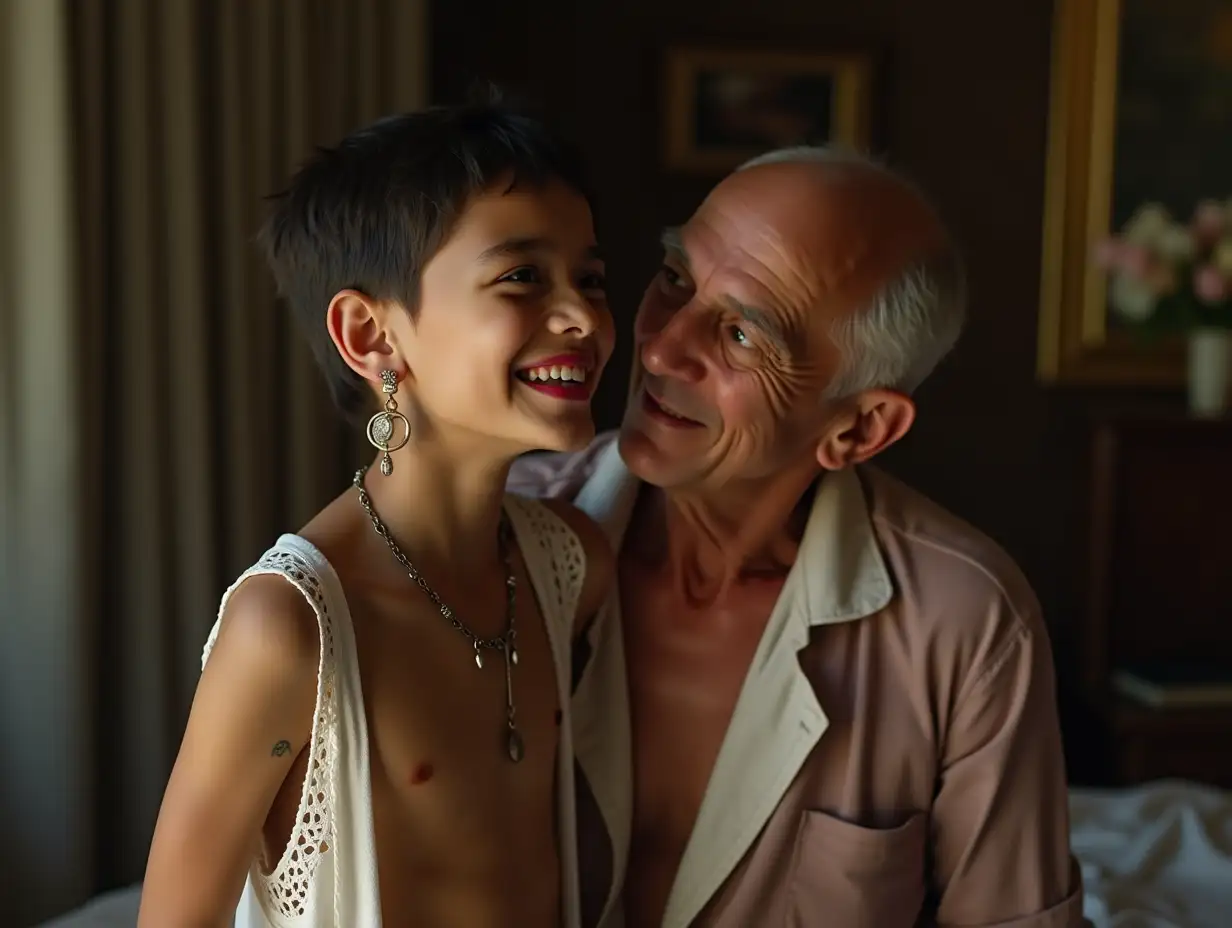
(894, 759)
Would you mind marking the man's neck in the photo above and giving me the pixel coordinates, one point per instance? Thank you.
(709, 543)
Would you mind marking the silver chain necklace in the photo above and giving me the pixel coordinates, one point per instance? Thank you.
(506, 643)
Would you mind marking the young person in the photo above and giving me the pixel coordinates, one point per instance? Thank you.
(381, 731)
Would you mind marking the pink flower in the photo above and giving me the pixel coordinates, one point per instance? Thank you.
(1135, 260)
(1210, 285)
(1108, 253)
(1209, 221)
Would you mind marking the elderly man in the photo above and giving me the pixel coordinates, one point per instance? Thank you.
(840, 702)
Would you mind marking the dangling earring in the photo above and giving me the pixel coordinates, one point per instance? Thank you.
(381, 426)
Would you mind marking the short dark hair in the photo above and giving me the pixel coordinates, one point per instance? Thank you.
(371, 212)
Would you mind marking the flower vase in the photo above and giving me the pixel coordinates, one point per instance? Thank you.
(1210, 372)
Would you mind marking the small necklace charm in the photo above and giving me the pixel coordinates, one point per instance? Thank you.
(513, 744)
(513, 740)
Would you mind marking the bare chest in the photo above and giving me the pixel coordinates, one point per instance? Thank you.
(438, 723)
(448, 801)
(686, 666)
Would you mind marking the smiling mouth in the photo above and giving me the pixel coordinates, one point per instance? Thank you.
(566, 378)
(665, 414)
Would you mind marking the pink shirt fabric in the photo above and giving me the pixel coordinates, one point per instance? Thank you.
(894, 759)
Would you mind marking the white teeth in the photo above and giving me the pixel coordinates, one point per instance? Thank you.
(557, 372)
(675, 415)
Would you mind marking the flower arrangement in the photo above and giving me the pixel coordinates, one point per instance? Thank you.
(1169, 276)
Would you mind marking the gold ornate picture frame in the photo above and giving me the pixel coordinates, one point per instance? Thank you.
(1076, 344)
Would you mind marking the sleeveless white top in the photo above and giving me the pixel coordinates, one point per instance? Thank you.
(327, 874)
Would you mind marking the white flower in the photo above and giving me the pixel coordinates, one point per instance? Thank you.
(1147, 223)
(1132, 299)
(1175, 242)
(1222, 257)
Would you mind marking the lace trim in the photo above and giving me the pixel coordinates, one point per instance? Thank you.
(564, 551)
(312, 836)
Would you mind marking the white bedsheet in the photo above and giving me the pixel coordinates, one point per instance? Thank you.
(1156, 856)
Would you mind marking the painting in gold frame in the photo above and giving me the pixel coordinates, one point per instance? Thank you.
(724, 106)
(1139, 110)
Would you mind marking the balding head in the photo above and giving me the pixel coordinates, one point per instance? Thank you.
(915, 311)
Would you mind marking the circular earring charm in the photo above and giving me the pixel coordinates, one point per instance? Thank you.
(383, 426)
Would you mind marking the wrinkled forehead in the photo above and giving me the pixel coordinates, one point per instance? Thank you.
(830, 235)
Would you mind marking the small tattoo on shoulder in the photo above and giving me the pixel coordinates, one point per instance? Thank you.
(281, 748)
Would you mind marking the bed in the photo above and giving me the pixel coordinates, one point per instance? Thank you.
(1157, 856)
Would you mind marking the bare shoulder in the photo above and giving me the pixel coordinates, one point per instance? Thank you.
(600, 559)
(268, 627)
(266, 658)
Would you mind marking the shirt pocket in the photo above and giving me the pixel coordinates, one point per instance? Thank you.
(849, 876)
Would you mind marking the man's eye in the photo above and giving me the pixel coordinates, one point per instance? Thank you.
(522, 275)
(671, 277)
(738, 336)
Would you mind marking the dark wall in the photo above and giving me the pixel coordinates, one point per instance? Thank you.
(961, 105)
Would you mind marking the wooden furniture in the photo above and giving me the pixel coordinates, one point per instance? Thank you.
(1160, 587)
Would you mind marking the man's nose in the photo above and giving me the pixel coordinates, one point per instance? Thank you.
(675, 349)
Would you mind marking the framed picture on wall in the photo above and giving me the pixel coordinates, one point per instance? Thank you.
(724, 106)
(1141, 105)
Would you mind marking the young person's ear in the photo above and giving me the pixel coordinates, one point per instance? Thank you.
(358, 327)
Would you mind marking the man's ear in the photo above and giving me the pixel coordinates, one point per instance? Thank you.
(358, 327)
(868, 424)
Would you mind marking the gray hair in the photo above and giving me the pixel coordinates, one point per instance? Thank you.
(915, 319)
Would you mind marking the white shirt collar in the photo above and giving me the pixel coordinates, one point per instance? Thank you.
(839, 574)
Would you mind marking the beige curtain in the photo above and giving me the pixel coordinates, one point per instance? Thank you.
(46, 797)
(180, 423)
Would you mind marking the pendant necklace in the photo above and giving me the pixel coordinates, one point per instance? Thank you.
(505, 644)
